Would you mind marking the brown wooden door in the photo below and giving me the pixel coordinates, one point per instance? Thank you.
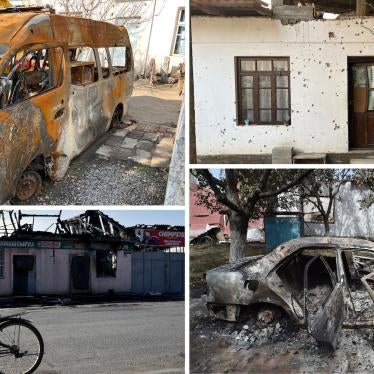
(361, 129)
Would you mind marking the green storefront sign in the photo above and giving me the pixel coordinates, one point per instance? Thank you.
(36, 244)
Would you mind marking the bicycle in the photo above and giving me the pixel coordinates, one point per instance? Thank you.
(21, 345)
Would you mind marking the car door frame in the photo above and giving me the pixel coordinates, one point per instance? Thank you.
(327, 323)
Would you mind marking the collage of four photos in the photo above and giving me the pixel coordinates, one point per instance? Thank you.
(186, 186)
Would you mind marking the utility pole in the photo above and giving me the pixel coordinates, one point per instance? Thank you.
(149, 38)
(150, 31)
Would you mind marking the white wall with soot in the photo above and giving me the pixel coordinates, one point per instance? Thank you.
(318, 52)
(53, 274)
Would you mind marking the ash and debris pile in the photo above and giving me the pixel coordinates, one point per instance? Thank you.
(272, 332)
(265, 328)
(257, 329)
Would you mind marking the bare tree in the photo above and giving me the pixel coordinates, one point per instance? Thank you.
(245, 195)
(103, 10)
(364, 178)
(321, 190)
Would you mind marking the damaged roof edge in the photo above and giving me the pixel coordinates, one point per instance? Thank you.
(282, 10)
(230, 8)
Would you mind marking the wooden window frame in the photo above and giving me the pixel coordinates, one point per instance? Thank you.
(178, 24)
(256, 97)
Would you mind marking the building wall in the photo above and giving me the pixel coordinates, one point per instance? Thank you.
(53, 272)
(163, 33)
(349, 218)
(319, 80)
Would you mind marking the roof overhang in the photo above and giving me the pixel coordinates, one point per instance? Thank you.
(229, 8)
(256, 8)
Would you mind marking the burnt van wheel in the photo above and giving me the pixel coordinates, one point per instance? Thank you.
(30, 184)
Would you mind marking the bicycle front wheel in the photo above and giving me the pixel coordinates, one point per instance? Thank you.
(21, 347)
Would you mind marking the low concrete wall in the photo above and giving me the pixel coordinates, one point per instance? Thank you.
(175, 191)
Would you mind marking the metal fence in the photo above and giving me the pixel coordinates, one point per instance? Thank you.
(157, 272)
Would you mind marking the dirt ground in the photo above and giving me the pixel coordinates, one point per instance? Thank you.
(94, 180)
(221, 347)
(248, 346)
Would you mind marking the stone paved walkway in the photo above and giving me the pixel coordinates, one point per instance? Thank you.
(147, 144)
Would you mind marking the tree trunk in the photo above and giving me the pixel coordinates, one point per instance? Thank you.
(238, 227)
(327, 225)
(361, 8)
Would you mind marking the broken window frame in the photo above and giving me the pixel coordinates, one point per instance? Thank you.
(108, 59)
(120, 69)
(81, 63)
(306, 285)
(56, 79)
(327, 322)
(350, 314)
(101, 257)
(179, 40)
(273, 74)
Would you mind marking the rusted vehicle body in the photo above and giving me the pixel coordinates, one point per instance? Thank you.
(320, 282)
(63, 82)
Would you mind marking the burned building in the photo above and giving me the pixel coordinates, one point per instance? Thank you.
(95, 222)
(86, 255)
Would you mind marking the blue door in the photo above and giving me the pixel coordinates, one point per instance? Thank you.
(281, 229)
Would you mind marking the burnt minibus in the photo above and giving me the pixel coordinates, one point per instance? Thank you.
(64, 81)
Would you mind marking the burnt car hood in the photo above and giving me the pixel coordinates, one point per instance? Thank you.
(227, 283)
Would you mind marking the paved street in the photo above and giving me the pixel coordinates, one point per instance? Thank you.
(111, 338)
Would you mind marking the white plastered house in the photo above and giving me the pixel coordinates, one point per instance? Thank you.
(285, 85)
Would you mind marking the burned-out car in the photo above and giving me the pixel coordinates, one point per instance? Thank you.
(64, 81)
(322, 283)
